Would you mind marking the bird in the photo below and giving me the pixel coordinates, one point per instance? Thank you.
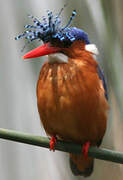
(72, 95)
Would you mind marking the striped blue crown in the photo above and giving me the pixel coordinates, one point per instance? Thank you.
(50, 30)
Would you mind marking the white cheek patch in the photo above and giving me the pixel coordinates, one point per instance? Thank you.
(92, 48)
(57, 58)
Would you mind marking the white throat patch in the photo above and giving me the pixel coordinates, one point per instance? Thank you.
(57, 58)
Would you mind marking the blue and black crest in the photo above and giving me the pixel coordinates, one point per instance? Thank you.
(50, 30)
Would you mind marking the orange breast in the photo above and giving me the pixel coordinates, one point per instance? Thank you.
(71, 101)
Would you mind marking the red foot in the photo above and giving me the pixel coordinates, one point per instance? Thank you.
(52, 143)
(85, 148)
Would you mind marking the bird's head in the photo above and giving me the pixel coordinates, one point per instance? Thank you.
(63, 41)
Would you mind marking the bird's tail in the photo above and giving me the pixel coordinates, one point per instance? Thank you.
(80, 165)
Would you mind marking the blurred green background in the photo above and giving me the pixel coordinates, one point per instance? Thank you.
(102, 20)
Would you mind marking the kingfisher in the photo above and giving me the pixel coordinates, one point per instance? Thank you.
(72, 96)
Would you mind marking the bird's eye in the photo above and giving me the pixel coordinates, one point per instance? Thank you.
(38, 24)
(63, 44)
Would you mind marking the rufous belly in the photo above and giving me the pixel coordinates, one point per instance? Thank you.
(71, 101)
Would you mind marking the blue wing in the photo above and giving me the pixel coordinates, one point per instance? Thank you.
(101, 76)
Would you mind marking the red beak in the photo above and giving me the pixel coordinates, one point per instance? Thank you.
(41, 51)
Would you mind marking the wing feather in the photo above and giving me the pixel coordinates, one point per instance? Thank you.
(101, 76)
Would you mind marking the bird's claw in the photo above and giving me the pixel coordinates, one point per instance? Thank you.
(52, 143)
(85, 149)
